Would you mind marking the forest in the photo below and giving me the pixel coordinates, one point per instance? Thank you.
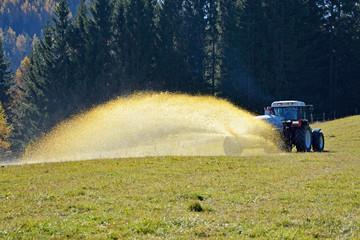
(249, 52)
(21, 22)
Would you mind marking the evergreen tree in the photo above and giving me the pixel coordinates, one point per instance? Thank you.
(5, 75)
(99, 51)
(150, 45)
(308, 55)
(212, 15)
(192, 47)
(119, 45)
(169, 69)
(140, 41)
(79, 47)
(232, 69)
(59, 74)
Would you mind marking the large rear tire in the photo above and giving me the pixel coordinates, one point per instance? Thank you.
(318, 141)
(303, 139)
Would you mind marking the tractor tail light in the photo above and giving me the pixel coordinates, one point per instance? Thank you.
(297, 123)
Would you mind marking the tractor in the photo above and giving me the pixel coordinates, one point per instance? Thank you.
(290, 119)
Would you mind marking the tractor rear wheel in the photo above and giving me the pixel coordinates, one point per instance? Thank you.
(318, 141)
(303, 139)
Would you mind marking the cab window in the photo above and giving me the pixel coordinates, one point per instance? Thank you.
(288, 113)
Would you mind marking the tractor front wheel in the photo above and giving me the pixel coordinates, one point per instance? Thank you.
(303, 139)
(318, 141)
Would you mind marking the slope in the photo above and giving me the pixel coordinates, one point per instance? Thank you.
(297, 196)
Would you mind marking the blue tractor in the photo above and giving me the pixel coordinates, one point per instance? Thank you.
(290, 118)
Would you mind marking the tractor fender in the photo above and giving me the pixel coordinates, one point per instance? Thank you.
(316, 130)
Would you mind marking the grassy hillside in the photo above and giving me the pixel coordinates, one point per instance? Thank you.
(343, 135)
(289, 196)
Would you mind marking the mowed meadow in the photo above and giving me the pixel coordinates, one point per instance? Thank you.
(276, 196)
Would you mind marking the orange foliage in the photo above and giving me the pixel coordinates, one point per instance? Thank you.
(5, 131)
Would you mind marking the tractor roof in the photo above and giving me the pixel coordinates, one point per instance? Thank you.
(288, 104)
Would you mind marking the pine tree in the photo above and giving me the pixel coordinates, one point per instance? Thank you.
(5, 76)
(231, 66)
(212, 15)
(140, 42)
(150, 44)
(307, 55)
(170, 67)
(99, 51)
(119, 46)
(59, 77)
(192, 47)
(32, 115)
(79, 47)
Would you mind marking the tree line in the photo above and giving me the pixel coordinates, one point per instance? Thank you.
(250, 52)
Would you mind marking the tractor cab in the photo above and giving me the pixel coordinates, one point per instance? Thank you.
(289, 110)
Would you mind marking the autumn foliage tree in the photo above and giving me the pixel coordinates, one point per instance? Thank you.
(5, 132)
(5, 74)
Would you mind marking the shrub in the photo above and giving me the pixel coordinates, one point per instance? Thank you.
(196, 207)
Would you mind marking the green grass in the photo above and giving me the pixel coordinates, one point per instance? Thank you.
(285, 196)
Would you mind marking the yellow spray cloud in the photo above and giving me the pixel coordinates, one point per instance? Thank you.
(154, 124)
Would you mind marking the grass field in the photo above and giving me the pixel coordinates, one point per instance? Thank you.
(283, 196)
